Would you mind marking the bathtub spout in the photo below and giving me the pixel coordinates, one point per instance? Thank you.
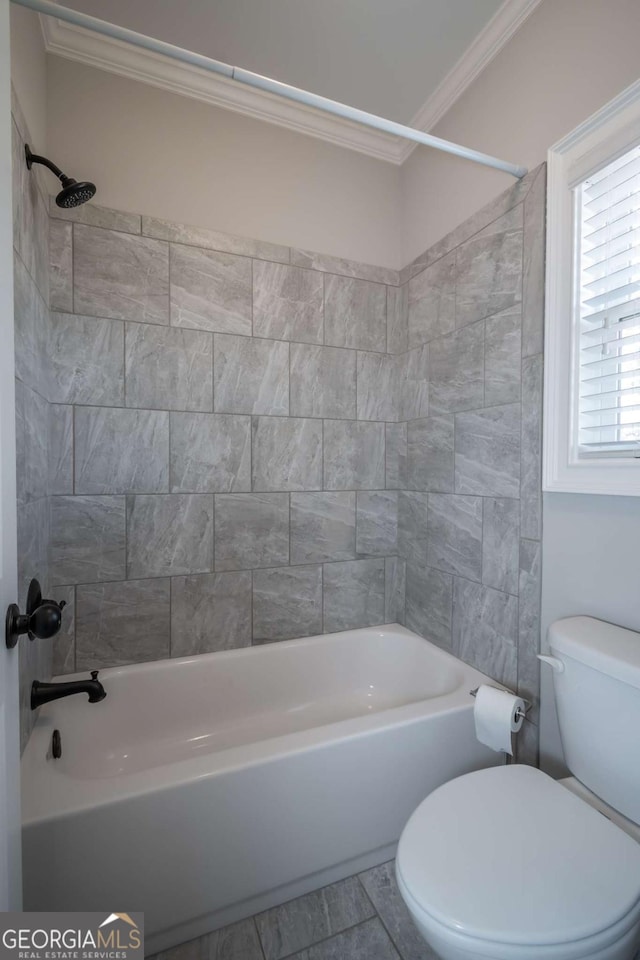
(46, 692)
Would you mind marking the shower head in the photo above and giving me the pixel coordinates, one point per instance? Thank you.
(73, 193)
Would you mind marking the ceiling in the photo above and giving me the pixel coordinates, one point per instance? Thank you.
(384, 56)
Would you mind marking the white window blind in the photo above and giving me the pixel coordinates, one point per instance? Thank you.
(608, 310)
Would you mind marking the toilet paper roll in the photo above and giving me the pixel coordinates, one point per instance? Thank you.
(494, 713)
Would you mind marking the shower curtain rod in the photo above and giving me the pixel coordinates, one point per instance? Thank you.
(50, 9)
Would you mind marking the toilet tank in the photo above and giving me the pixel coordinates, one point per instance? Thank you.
(597, 693)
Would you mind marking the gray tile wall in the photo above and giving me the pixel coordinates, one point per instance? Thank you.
(247, 443)
(467, 463)
(222, 472)
(31, 304)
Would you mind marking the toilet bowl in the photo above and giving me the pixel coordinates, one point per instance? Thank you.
(506, 864)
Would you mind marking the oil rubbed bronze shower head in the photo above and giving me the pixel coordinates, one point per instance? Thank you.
(73, 192)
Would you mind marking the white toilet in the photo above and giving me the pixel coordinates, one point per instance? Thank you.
(507, 863)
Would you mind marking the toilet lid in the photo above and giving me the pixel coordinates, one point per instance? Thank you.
(508, 855)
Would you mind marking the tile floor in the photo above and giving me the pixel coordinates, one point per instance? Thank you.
(360, 918)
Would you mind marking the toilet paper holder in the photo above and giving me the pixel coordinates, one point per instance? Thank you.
(519, 714)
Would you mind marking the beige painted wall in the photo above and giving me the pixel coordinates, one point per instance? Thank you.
(567, 60)
(29, 73)
(153, 152)
(255, 179)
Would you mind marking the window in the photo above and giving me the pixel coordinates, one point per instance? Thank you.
(607, 309)
(592, 343)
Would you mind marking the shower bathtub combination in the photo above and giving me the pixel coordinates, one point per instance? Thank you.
(205, 789)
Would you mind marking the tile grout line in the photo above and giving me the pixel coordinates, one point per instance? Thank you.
(379, 916)
(141, 235)
(461, 243)
(258, 937)
(316, 943)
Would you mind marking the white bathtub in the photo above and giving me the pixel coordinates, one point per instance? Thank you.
(205, 789)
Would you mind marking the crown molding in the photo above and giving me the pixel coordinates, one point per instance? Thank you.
(488, 43)
(114, 56)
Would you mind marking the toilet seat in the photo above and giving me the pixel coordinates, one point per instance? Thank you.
(591, 948)
(507, 860)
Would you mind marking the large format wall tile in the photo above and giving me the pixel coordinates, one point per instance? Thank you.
(487, 452)
(485, 630)
(413, 375)
(287, 603)
(396, 455)
(377, 386)
(353, 594)
(345, 268)
(500, 544)
(31, 329)
(210, 612)
(323, 382)
(377, 523)
(213, 240)
(529, 622)
(210, 291)
(429, 600)
(456, 371)
(527, 745)
(119, 275)
(210, 453)
(432, 301)
(492, 211)
(87, 539)
(534, 265)
(93, 215)
(502, 351)
(430, 454)
(252, 530)
(64, 643)
(354, 455)
(86, 360)
(412, 526)
(60, 452)
(251, 376)
(355, 314)
(31, 319)
(30, 226)
(33, 524)
(287, 302)
(168, 368)
(531, 451)
(286, 454)
(398, 319)
(395, 574)
(61, 266)
(323, 527)
(32, 478)
(121, 451)
(271, 346)
(121, 623)
(454, 535)
(489, 270)
(168, 535)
